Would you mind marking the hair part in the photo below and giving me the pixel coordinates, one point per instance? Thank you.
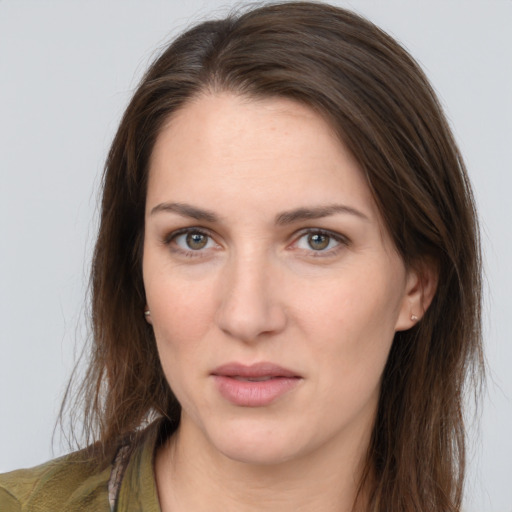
(379, 102)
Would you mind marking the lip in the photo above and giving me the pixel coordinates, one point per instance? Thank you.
(234, 382)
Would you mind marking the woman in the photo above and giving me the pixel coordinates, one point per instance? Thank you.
(286, 282)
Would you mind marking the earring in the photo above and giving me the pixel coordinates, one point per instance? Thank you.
(147, 312)
(414, 318)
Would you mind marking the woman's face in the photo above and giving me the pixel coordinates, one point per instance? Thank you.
(274, 289)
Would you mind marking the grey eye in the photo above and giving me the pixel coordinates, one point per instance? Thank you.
(318, 241)
(193, 240)
(196, 240)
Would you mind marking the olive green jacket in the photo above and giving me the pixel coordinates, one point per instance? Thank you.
(71, 483)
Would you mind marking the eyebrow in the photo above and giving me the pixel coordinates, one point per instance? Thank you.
(301, 214)
(186, 210)
(281, 219)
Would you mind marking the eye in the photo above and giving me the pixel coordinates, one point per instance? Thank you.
(196, 241)
(192, 240)
(320, 241)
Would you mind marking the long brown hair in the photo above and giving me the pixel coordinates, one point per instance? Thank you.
(384, 110)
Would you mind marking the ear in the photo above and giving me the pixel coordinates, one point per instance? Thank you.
(420, 288)
(147, 315)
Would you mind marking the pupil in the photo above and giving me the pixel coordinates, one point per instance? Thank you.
(196, 240)
(318, 241)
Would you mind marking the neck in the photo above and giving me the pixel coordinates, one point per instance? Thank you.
(191, 476)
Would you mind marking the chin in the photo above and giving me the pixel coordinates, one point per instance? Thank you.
(257, 444)
(257, 454)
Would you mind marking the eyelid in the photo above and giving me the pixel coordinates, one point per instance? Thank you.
(171, 237)
(342, 240)
(182, 231)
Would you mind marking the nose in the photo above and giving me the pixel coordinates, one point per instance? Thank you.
(251, 306)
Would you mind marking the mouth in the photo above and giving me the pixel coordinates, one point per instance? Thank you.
(255, 385)
(253, 379)
(256, 372)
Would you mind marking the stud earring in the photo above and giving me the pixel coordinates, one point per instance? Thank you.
(414, 318)
(147, 312)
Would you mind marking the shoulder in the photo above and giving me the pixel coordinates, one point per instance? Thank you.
(75, 483)
(70, 483)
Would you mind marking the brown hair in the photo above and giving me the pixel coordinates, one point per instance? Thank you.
(381, 105)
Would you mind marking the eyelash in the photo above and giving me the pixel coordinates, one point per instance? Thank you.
(168, 240)
(341, 241)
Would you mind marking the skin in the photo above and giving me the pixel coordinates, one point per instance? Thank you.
(258, 291)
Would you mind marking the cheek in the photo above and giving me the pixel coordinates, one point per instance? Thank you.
(181, 317)
(356, 302)
(350, 321)
(182, 314)
(179, 325)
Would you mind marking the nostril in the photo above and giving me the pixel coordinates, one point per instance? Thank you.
(250, 321)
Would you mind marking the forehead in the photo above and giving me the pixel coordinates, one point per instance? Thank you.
(272, 150)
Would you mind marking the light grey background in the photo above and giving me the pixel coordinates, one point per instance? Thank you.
(67, 69)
